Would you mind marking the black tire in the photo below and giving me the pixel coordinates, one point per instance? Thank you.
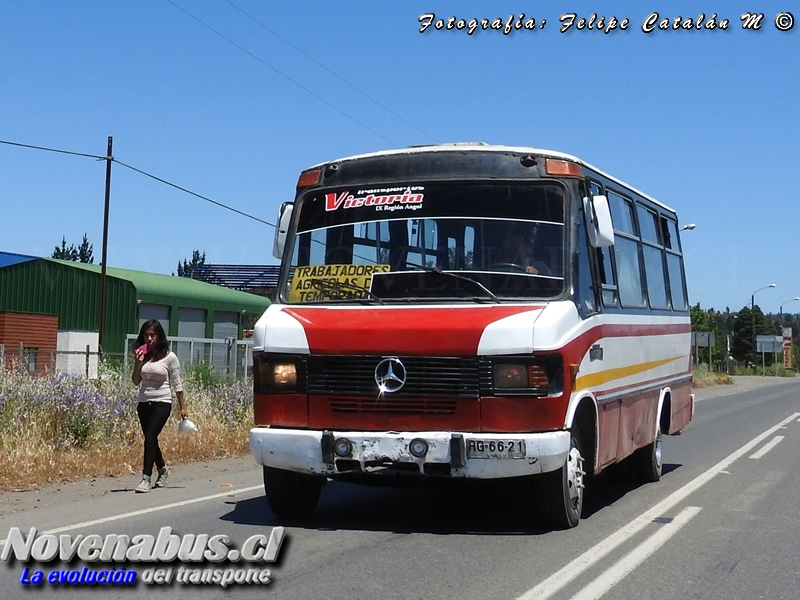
(560, 493)
(292, 495)
(647, 461)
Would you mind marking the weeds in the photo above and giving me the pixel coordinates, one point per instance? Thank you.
(703, 377)
(62, 427)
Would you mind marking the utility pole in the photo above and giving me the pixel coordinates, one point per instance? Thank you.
(109, 158)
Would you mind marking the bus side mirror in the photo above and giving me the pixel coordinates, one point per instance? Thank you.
(598, 216)
(284, 220)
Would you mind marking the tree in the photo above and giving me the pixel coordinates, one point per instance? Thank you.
(742, 343)
(82, 253)
(187, 268)
(719, 324)
(85, 251)
(702, 320)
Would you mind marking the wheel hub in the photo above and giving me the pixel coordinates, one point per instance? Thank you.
(575, 475)
(658, 450)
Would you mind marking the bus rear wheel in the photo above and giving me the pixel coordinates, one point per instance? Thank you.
(647, 465)
(290, 494)
(560, 493)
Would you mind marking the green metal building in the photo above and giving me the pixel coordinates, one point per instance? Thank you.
(71, 290)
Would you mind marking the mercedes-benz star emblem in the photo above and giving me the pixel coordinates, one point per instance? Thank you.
(390, 375)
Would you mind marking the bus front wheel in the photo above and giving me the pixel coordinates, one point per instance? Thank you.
(561, 492)
(290, 494)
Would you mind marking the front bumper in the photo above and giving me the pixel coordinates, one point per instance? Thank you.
(308, 451)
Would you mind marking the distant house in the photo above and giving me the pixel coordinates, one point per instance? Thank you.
(71, 292)
(28, 340)
(256, 279)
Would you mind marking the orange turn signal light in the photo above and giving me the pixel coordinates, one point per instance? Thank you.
(537, 377)
(309, 178)
(563, 168)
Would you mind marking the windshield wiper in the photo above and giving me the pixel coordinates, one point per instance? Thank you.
(472, 282)
(338, 286)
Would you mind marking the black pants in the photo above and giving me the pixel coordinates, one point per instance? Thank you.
(153, 416)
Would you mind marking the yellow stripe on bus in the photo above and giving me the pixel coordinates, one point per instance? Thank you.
(595, 379)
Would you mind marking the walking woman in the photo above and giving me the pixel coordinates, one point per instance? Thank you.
(155, 371)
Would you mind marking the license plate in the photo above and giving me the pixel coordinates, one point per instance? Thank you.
(495, 449)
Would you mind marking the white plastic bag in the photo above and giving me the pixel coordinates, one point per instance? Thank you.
(186, 426)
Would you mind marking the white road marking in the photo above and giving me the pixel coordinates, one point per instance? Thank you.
(144, 511)
(767, 447)
(571, 571)
(625, 566)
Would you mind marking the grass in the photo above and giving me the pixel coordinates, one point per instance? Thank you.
(61, 427)
(703, 377)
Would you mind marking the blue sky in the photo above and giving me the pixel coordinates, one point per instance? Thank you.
(233, 98)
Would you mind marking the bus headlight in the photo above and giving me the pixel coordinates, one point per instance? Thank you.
(279, 374)
(284, 374)
(510, 376)
(539, 376)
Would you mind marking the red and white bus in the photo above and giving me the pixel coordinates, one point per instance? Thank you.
(467, 311)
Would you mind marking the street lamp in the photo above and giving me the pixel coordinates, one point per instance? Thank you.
(753, 318)
(781, 312)
(690, 226)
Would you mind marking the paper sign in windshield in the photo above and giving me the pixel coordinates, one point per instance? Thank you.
(332, 282)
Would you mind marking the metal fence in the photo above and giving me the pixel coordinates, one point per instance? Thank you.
(228, 357)
(37, 361)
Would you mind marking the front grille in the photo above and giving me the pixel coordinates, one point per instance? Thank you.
(426, 376)
(394, 405)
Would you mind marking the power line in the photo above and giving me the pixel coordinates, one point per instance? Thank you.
(145, 173)
(53, 150)
(284, 75)
(319, 64)
(183, 189)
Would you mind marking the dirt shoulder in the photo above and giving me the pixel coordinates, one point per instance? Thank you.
(71, 491)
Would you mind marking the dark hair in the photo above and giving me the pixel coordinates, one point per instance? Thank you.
(161, 347)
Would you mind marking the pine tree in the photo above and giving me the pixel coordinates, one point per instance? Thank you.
(85, 251)
(187, 268)
(82, 253)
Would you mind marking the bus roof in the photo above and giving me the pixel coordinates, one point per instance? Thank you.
(484, 147)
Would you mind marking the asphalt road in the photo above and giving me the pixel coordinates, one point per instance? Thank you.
(722, 523)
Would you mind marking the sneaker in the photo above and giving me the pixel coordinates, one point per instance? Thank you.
(144, 484)
(163, 473)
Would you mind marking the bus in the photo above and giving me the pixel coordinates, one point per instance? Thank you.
(470, 312)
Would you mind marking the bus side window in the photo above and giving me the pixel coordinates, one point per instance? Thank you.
(676, 277)
(626, 251)
(605, 268)
(655, 278)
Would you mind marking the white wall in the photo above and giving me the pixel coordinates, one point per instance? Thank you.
(76, 341)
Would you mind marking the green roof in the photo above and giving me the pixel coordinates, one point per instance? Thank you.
(156, 288)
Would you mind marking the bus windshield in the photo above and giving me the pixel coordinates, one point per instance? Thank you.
(485, 242)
